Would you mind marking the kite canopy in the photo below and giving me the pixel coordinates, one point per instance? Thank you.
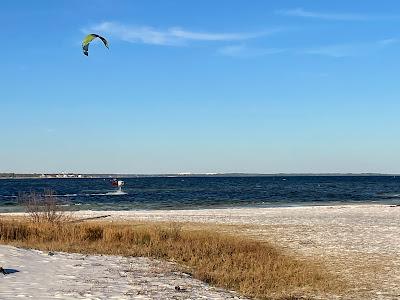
(88, 39)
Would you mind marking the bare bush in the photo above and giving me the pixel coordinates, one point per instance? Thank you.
(43, 207)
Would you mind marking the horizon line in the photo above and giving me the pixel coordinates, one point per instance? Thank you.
(201, 173)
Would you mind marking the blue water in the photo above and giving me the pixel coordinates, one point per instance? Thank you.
(207, 192)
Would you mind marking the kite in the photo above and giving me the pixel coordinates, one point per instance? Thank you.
(88, 39)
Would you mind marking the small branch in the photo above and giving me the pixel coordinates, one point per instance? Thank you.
(91, 218)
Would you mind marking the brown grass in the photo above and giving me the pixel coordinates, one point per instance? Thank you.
(250, 267)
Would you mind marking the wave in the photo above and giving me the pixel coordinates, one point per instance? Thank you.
(66, 195)
(389, 195)
(114, 193)
(111, 193)
(71, 204)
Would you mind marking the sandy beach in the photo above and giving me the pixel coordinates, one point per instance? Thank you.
(361, 243)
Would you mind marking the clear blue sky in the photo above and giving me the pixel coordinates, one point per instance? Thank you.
(200, 86)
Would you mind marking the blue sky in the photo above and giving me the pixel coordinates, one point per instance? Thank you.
(200, 86)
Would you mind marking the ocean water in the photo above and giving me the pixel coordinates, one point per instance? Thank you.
(206, 192)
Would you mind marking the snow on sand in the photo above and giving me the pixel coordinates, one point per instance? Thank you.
(38, 275)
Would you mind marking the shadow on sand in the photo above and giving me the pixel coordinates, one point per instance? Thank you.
(8, 271)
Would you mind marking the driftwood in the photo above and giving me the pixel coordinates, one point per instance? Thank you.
(91, 218)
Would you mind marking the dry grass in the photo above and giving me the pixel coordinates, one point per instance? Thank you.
(250, 267)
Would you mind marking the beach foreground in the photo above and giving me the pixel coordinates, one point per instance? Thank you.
(360, 243)
(76, 276)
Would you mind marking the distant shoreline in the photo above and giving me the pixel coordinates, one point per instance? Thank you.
(101, 176)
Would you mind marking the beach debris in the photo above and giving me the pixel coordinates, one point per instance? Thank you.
(179, 289)
(90, 218)
(88, 39)
(187, 274)
(50, 253)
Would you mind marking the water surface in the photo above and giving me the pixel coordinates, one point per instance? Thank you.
(207, 192)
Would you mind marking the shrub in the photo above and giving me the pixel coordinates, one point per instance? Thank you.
(43, 207)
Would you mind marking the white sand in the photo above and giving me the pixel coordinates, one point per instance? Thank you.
(76, 276)
(361, 243)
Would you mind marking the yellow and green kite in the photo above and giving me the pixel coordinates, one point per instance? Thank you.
(88, 39)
